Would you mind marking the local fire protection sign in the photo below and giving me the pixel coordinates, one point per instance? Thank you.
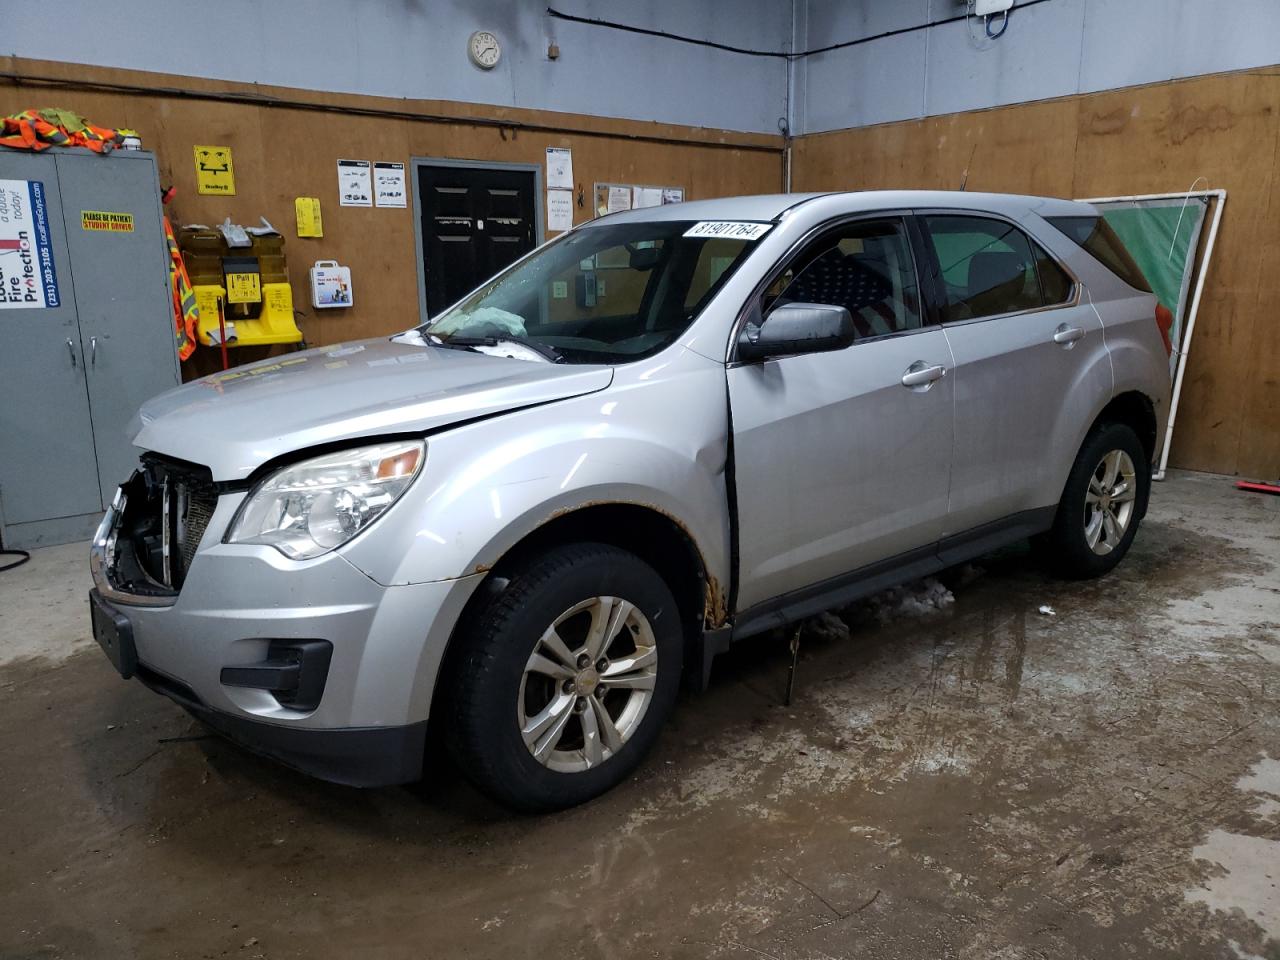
(28, 278)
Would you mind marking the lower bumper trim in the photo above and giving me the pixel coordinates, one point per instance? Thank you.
(353, 756)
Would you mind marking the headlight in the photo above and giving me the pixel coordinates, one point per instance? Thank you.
(309, 508)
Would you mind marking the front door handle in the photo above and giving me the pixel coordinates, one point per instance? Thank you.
(921, 374)
(71, 350)
(1067, 335)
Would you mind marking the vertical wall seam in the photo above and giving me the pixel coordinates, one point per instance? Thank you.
(924, 88)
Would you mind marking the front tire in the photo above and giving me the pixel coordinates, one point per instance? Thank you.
(1102, 504)
(565, 679)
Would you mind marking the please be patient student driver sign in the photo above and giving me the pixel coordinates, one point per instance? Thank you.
(28, 277)
(107, 222)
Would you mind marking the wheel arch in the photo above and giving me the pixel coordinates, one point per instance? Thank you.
(653, 535)
(1134, 409)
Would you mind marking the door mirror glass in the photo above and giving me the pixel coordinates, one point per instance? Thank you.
(795, 328)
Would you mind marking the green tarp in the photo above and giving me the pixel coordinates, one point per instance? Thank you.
(1162, 236)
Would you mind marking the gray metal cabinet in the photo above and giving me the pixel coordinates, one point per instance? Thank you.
(86, 333)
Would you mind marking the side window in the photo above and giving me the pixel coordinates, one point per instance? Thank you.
(1053, 279)
(987, 267)
(865, 267)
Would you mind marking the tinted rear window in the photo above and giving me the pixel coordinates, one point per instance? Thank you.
(1101, 242)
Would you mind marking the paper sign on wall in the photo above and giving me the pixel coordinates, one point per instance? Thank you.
(646, 197)
(28, 278)
(619, 199)
(355, 184)
(559, 210)
(215, 173)
(673, 195)
(307, 212)
(389, 185)
(559, 168)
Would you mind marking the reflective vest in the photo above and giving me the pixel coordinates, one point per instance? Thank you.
(186, 315)
(50, 127)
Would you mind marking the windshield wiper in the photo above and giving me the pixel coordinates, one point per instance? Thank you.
(542, 349)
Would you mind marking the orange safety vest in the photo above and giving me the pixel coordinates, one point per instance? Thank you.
(32, 130)
(186, 315)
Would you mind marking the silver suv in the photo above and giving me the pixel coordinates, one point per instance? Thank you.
(528, 519)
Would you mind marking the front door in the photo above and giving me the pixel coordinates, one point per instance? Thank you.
(1030, 366)
(839, 461)
(475, 222)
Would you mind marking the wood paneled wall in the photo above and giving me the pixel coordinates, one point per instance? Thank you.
(1163, 138)
(282, 152)
(1223, 128)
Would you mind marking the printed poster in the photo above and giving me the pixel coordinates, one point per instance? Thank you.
(642, 197)
(559, 168)
(619, 199)
(559, 210)
(28, 276)
(355, 184)
(215, 173)
(388, 184)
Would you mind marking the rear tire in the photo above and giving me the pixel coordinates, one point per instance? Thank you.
(1103, 502)
(565, 678)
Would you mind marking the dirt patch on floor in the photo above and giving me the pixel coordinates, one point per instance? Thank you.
(976, 780)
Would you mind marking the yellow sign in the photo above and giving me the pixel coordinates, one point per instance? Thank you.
(243, 288)
(215, 174)
(307, 210)
(107, 222)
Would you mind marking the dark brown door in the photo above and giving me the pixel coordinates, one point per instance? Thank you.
(475, 221)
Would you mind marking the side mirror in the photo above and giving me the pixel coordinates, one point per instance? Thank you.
(796, 328)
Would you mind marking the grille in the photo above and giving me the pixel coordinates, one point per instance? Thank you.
(167, 512)
(199, 512)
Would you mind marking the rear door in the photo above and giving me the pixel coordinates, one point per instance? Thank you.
(476, 221)
(1030, 366)
(839, 464)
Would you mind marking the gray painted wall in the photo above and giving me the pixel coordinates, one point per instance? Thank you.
(1050, 50)
(417, 49)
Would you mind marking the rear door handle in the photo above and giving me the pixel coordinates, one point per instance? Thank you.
(919, 374)
(1065, 334)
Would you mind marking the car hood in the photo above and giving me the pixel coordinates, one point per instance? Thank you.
(235, 421)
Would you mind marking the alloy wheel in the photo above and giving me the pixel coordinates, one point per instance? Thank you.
(587, 684)
(1109, 502)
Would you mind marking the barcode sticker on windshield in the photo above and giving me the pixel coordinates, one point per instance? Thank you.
(729, 229)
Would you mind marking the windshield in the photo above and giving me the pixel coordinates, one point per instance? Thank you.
(602, 294)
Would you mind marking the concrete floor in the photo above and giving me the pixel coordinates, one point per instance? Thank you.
(978, 781)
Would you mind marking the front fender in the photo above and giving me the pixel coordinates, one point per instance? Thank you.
(659, 443)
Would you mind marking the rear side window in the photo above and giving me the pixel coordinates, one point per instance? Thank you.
(1100, 241)
(990, 267)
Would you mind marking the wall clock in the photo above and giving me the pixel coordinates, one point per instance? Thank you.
(484, 49)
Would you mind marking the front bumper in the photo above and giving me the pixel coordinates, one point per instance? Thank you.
(355, 756)
(387, 644)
